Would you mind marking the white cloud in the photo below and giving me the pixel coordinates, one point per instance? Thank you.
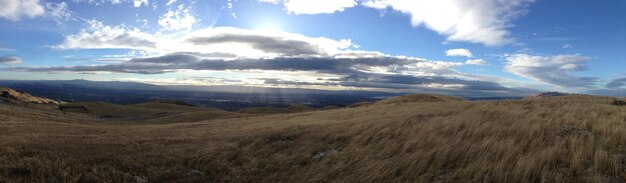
(476, 62)
(556, 70)
(233, 42)
(170, 2)
(99, 36)
(480, 21)
(459, 53)
(138, 3)
(135, 3)
(59, 12)
(10, 60)
(567, 46)
(178, 19)
(6, 49)
(313, 6)
(270, 1)
(14, 10)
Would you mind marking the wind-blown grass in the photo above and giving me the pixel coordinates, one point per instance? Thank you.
(561, 139)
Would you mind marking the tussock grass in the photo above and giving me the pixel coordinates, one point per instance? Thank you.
(559, 139)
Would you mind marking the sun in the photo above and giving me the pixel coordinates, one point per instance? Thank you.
(270, 25)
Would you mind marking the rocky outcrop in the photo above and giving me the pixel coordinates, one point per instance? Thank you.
(11, 94)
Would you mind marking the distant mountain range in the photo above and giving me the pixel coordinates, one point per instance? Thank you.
(224, 97)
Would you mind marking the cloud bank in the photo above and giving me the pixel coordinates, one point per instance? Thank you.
(557, 70)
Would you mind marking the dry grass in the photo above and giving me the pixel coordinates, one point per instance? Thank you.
(420, 98)
(561, 139)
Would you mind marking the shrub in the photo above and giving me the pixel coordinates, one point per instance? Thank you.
(619, 103)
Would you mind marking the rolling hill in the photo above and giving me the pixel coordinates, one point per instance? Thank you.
(578, 138)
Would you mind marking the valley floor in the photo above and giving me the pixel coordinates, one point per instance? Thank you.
(560, 139)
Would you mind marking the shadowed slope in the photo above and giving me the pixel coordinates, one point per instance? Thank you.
(263, 110)
(170, 106)
(300, 108)
(272, 110)
(197, 116)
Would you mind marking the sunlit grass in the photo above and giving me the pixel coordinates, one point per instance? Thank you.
(561, 139)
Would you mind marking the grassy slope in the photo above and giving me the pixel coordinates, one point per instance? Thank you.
(419, 98)
(563, 139)
(171, 107)
(273, 110)
(197, 116)
(263, 110)
(161, 112)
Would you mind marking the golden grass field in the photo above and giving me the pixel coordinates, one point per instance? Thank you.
(559, 139)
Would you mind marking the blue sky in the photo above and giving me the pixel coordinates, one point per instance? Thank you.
(477, 48)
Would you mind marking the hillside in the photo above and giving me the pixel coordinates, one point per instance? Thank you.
(419, 98)
(559, 139)
(296, 108)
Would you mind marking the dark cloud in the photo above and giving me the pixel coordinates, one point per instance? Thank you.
(173, 62)
(403, 83)
(210, 55)
(349, 70)
(563, 79)
(282, 46)
(122, 39)
(409, 82)
(167, 59)
(617, 83)
(10, 60)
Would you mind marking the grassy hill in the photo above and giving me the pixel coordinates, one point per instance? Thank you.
(263, 110)
(558, 139)
(419, 98)
(161, 111)
(296, 108)
(194, 116)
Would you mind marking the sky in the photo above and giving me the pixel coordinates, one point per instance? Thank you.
(474, 48)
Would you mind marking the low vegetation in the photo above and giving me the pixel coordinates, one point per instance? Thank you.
(618, 102)
(576, 138)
